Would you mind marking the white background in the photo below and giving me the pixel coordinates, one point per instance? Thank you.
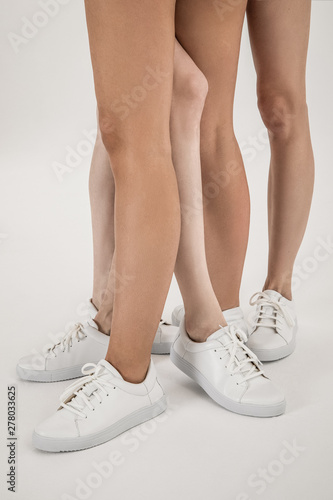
(199, 451)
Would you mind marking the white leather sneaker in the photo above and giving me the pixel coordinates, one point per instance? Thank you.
(64, 360)
(177, 315)
(99, 407)
(228, 371)
(273, 326)
(164, 338)
(83, 343)
(234, 316)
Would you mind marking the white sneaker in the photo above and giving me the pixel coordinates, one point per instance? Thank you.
(273, 326)
(228, 371)
(99, 407)
(164, 338)
(83, 343)
(177, 315)
(64, 360)
(234, 316)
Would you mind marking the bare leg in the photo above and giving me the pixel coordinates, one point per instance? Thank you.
(101, 191)
(210, 32)
(203, 313)
(146, 202)
(279, 32)
(102, 197)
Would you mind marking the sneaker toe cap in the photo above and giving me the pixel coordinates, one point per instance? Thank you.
(60, 425)
(261, 391)
(265, 338)
(32, 362)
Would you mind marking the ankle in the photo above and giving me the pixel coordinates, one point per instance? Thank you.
(281, 286)
(100, 295)
(129, 368)
(199, 329)
(95, 303)
(103, 321)
(97, 300)
(230, 305)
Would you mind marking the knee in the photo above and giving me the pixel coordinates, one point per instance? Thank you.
(133, 135)
(195, 87)
(111, 132)
(280, 111)
(190, 88)
(133, 146)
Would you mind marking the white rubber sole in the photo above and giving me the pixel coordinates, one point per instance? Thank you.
(161, 348)
(250, 410)
(138, 417)
(50, 375)
(267, 355)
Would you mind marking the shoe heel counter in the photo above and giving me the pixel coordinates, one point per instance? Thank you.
(174, 317)
(178, 345)
(156, 393)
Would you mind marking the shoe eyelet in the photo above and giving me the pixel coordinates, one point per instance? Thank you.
(115, 387)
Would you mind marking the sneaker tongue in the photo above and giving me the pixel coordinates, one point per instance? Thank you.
(109, 369)
(217, 335)
(232, 315)
(273, 293)
(92, 323)
(270, 310)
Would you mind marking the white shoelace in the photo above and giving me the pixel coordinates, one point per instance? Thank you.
(274, 320)
(248, 365)
(76, 396)
(67, 340)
